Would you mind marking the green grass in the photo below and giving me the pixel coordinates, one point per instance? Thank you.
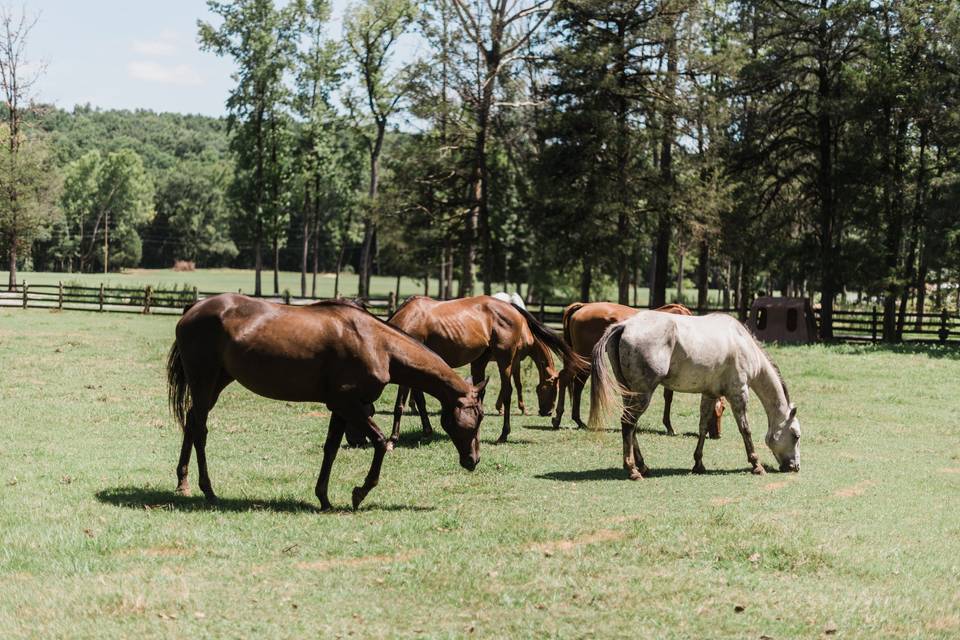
(222, 280)
(545, 539)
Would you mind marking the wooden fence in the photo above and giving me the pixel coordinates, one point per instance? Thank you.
(849, 326)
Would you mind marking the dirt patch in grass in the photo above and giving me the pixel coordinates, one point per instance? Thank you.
(553, 546)
(361, 561)
(854, 490)
(722, 501)
(950, 470)
(165, 551)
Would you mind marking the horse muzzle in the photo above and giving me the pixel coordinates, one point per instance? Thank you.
(790, 466)
(469, 463)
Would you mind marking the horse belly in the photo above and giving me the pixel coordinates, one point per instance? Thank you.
(277, 377)
(692, 379)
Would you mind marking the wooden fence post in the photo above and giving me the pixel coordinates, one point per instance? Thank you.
(101, 296)
(286, 296)
(873, 325)
(25, 287)
(391, 303)
(196, 295)
(147, 298)
(60, 296)
(943, 333)
(542, 311)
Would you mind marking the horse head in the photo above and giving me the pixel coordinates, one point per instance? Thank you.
(784, 442)
(461, 421)
(547, 393)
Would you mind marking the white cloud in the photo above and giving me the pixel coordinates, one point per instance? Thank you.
(164, 45)
(176, 74)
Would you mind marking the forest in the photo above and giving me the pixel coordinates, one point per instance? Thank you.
(561, 149)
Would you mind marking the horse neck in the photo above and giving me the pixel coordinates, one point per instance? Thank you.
(767, 386)
(415, 366)
(541, 356)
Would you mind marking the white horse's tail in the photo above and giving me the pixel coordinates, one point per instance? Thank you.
(606, 391)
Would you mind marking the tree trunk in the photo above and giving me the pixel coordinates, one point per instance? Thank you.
(681, 254)
(586, 278)
(258, 258)
(727, 276)
(12, 280)
(658, 296)
(827, 221)
(369, 223)
(336, 277)
(276, 265)
(703, 265)
(306, 249)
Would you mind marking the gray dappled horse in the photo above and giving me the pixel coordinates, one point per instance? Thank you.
(711, 355)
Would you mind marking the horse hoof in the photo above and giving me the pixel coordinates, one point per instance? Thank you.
(183, 490)
(501, 440)
(556, 425)
(358, 495)
(635, 475)
(211, 498)
(325, 505)
(699, 468)
(759, 470)
(390, 445)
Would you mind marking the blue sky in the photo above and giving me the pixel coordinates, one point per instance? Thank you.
(128, 54)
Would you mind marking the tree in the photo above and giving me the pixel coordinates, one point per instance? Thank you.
(105, 200)
(191, 204)
(21, 220)
(497, 30)
(261, 40)
(371, 32)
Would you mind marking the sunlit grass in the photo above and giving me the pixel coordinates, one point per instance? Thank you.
(545, 539)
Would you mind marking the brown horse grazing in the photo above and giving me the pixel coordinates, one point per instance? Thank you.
(332, 352)
(583, 325)
(474, 331)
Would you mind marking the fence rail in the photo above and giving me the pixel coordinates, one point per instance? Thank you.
(848, 325)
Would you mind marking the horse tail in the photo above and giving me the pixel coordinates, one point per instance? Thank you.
(567, 314)
(178, 391)
(604, 399)
(553, 342)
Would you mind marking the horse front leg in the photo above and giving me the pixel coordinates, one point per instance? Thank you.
(707, 404)
(715, 419)
(360, 419)
(738, 403)
(330, 448)
(197, 426)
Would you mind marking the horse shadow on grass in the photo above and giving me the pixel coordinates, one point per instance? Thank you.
(618, 473)
(151, 499)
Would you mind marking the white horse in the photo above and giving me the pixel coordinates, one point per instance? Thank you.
(712, 355)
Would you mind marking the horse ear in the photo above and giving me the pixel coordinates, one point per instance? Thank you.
(480, 387)
(468, 379)
(793, 412)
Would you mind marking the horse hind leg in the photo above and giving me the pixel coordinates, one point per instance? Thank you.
(579, 382)
(204, 397)
(632, 457)
(402, 393)
(667, 404)
(707, 404)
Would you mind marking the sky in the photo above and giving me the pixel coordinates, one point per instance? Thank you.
(130, 54)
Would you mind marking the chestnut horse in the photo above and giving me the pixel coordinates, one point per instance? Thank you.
(332, 352)
(474, 331)
(583, 325)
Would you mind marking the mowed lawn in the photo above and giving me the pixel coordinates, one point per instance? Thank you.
(545, 539)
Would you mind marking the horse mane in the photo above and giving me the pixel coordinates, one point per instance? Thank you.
(773, 364)
(405, 303)
(340, 302)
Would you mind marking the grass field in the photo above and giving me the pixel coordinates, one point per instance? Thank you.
(544, 539)
(221, 280)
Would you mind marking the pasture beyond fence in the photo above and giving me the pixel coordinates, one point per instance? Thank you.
(848, 325)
